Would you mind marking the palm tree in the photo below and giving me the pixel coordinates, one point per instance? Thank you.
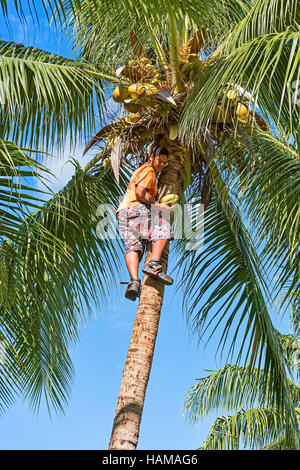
(256, 423)
(193, 80)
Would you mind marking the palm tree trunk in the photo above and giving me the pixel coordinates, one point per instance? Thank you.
(126, 426)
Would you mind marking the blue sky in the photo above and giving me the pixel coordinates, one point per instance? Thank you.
(100, 356)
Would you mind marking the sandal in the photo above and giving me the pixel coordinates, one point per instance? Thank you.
(133, 289)
(154, 269)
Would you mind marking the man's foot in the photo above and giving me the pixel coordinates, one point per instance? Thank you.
(132, 289)
(154, 269)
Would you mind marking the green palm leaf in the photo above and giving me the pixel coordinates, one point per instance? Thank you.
(46, 97)
(264, 63)
(94, 23)
(254, 428)
(17, 196)
(53, 290)
(229, 265)
(269, 170)
(230, 388)
(256, 424)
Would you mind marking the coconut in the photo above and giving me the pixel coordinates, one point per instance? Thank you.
(124, 92)
(241, 110)
(181, 64)
(117, 95)
(151, 90)
(132, 90)
(170, 198)
(186, 70)
(231, 95)
(132, 107)
(187, 67)
(173, 131)
(141, 89)
(198, 65)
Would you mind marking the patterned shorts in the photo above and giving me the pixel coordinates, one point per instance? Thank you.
(143, 222)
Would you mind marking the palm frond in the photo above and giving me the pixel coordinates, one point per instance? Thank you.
(253, 428)
(17, 195)
(229, 264)
(291, 348)
(45, 97)
(228, 389)
(264, 17)
(266, 66)
(269, 173)
(54, 290)
(95, 23)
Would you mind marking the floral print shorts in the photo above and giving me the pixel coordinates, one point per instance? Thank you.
(143, 222)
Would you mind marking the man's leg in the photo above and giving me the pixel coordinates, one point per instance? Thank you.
(160, 232)
(157, 249)
(132, 263)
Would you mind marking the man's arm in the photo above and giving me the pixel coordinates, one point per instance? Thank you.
(143, 194)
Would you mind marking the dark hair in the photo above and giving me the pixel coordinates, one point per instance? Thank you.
(156, 150)
(159, 150)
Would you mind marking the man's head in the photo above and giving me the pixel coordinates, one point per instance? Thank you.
(158, 158)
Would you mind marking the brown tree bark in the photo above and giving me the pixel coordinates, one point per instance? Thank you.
(126, 426)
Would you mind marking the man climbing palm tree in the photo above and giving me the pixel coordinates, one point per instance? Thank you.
(139, 219)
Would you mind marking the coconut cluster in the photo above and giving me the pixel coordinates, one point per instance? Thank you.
(143, 78)
(191, 68)
(231, 107)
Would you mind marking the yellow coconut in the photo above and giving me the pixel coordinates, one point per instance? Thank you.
(151, 90)
(231, 95)
(117, 95)
(170, 198)
(124, 92)
(132, 107)
(241, 110)
(132, 90)
(141, 89)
